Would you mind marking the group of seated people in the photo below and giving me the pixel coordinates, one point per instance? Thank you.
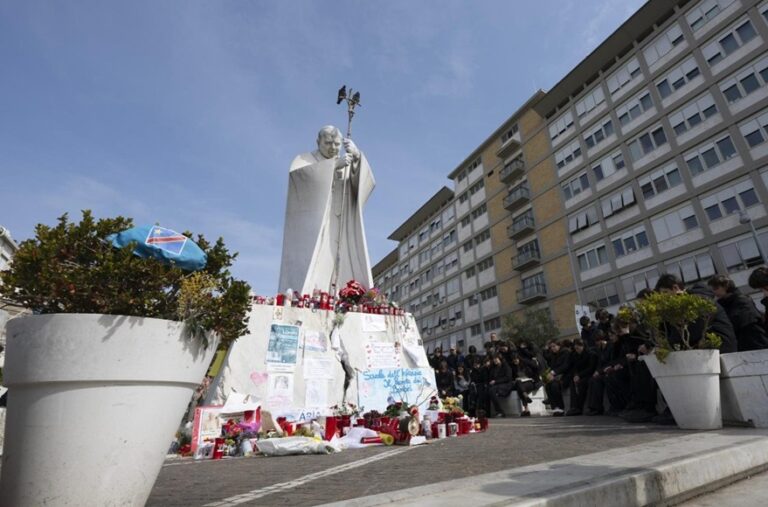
(600, 370)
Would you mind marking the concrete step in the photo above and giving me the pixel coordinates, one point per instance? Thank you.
(661, 472)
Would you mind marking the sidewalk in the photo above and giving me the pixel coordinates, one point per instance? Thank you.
(660, 472)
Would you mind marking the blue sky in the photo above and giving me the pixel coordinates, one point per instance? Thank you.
(188, 113)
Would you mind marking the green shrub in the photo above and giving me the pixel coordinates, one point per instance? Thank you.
(71, 268)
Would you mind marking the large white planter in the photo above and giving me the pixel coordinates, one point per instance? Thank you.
(93, 405)
(744, 387)
(690, 383)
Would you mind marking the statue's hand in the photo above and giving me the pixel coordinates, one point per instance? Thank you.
(344, 160)
(351, 149)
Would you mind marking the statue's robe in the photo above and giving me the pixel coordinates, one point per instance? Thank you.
(313, 218)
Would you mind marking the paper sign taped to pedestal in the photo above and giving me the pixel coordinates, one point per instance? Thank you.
(318, 368)
(206, 425)
(315, 341)
(280, 390)
(381, 355)
(283, 344)
(316, 394)
(381, 387)
(373, 323)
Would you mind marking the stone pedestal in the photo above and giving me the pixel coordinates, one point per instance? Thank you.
(744, 387)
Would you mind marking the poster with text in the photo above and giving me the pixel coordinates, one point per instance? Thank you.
(280, 391)
(283, 344)
(381, 387)
(381, 355)
(206, 425)
(315, 341)
(318, 367)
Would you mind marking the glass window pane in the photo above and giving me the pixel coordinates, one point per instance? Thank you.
(618, 161)
(729, 43)
(731, 256)
(680, 128)
(764, 74)
(749, 198)
(692, 73)
(618, 247)
(705, 265)
(646, 143)
(659, 137)
(746, 32)
(634, 111)
(688, 268)
(592, 258)
(598, 170)
(590, 141)
(730, 205)
(726, 148)
(629, 244)
(583, 266)
(694, 165)
(732, 93)
(750, 83)
(584, 181)
(690, 222)
(608, 128)
(642, 239)
(710, 158)
(599, 136)
(646, 101)
(754, 138)
(713, 212)
(673, 177)
(624, 119)
(710, 111)
(661, 184)
(647, 190)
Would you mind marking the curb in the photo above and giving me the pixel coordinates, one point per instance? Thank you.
(664, 472)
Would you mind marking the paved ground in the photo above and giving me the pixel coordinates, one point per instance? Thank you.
(751, 492)
(312, 480)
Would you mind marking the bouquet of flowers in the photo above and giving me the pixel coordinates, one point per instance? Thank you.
(346, 409)
(453, 406)
(353, 292)
(396, 408)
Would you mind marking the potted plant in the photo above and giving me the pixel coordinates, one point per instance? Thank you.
(685, 360)
(101, 373)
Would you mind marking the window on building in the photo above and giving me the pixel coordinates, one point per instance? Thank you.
(659, 181)
(678, 77)
(755, 130)
(634, 108)
(647, 142)
(608, 165)
(590, 102)
(488, 293)
(730, 200)
(507, 135)
(463, 197)
(729, 41)
(710, 155)
(745, 81)
(451, 261)
(582, 220)
(630, 241)
(483, 236)
(663, 44)
(560, 126)
(475, 329)
(675, 223)
(634, 283)
(575, 186)
(449, 238)
(485, 264)
(691, 268)
(467, 247)
(592, 258)
(693, 113)
(466, 221)
(469, 272)
(476, 187)
(568, 154)
(617, 202)
(602, 296)
(704, 12)
(473, 299)
(473, 166)
(479, 211)
(742, 254)
(492, 324)
(624, 76)
(452, 286)
(599, 133)
(449, 214)
(529, 249)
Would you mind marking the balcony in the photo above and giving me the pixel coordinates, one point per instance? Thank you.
(526, 260)
(510, 144)
(521, 226)
(517, 197)
(532, 293)
(512, 170)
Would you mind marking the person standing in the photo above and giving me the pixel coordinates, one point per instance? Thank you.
(745, 318)
(500, 384)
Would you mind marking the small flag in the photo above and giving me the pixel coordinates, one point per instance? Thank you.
(165, 245)
(166, 239)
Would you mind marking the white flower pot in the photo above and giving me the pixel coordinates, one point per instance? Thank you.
(744, 387)
(93, 405)
(690, 383)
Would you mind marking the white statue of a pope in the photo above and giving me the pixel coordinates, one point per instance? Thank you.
(324, 237)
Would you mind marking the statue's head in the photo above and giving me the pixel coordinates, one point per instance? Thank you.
(329, 141)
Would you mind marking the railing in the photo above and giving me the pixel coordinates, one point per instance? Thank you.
(520, 225)
(512, 170)
(517, 196)
(526, 258)
(537, 290)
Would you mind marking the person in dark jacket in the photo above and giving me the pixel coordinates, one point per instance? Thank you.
(437, 358)
(744, 316)
(588, 329)
(583, 364)
(718, 323)
(758, 279)
(608, 351)
(444, 379)
(500, 384)
(527, 378)
(558, 379)
(469, 359)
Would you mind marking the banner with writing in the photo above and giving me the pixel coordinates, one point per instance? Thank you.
(378, 388)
